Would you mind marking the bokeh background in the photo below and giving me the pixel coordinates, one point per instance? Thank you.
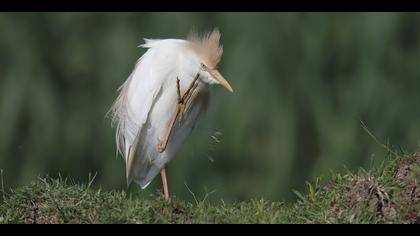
(302, 81)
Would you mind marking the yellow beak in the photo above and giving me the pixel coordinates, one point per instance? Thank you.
(217, 76)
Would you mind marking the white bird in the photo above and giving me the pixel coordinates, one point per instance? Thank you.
(161, 101)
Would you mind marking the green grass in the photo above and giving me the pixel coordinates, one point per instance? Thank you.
(387, 194)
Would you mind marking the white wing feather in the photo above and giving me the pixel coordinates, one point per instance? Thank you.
(136, 141)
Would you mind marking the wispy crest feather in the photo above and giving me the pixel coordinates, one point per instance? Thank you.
(208, 46)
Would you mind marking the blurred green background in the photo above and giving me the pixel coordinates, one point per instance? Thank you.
(302, 81)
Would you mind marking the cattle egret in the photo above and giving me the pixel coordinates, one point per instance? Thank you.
(160, 102)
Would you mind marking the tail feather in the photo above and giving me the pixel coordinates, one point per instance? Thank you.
(141, 163)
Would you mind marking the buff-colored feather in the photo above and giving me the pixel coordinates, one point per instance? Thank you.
(208, 47)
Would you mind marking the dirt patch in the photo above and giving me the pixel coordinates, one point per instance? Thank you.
(408, 169)
(407, 174)
(399, 202)
(34, 213)
(173, 212)
(365, 192)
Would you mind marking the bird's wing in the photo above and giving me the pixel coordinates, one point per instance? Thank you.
(131, 108)
(137, 96)
(143, 170)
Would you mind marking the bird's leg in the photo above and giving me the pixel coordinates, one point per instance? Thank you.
(180, 106)
(165, 183)
(164, 143)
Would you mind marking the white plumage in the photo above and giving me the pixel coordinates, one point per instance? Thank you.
(148, 100)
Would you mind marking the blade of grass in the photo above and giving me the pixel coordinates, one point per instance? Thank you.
(386, 147)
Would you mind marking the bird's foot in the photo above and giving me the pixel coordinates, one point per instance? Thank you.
(185, 101)
(180, 109)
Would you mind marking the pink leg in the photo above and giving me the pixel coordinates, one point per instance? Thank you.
(165, 183)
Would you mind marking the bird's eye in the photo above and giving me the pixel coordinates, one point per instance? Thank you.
(202, 65)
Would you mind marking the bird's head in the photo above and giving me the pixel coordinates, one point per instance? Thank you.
(208, 55)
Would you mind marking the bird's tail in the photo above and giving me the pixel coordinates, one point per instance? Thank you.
(139, 165)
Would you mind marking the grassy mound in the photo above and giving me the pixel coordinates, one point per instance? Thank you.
(388, 194)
